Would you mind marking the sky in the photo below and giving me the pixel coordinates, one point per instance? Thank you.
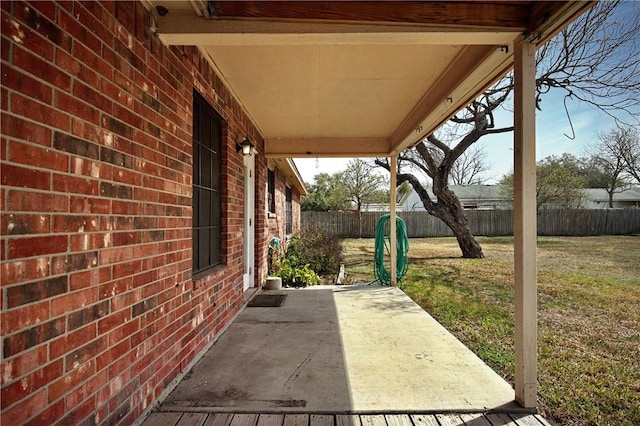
(552, 128)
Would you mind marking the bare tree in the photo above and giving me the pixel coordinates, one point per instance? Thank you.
(609, 156)
(630, 151)
(596, 60)
(470, 167)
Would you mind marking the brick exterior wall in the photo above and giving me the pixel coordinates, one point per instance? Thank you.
(277, 221)
(274, 225)
(100, 313)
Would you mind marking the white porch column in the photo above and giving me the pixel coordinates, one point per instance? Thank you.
(392, 222)
(525, 232)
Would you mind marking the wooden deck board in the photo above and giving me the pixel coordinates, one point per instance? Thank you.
(424, 420)
(270, 420)
(398, 420)
(296, 420)
(475, 420)
(244, 420)
(162, 419)
(192, 419)
(348, 420)
(218, 419)
(449, 420)
(286, 419)
(529, 420)
(373, 420)
(502, 419)
(321, 420)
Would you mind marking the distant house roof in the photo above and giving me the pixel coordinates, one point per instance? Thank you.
(479, 192)
(489, 195)
(493, 195)
(600, 194)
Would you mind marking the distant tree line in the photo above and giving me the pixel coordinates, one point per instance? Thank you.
(612, 164)
(355, 188)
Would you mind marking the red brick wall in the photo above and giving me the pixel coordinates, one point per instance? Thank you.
(276, 223)
(99, 309)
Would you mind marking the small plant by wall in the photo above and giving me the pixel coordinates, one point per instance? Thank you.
(295, 276)
(308, 255)
(316, 247)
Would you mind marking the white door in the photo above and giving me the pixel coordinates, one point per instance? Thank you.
(249, 213)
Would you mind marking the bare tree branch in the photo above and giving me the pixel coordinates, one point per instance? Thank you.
(469, 168)
(596, 60)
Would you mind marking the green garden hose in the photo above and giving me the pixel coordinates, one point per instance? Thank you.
(383, 276)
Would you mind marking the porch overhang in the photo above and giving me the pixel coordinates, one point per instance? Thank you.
(291, 174)
(363, 79)
(357, 79)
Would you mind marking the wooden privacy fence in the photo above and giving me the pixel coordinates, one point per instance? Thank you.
(490, 223)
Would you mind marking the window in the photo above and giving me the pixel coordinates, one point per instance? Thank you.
(271, 191)
(289, 212)
(207, 185)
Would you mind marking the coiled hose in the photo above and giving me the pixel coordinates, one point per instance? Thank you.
(383, 276)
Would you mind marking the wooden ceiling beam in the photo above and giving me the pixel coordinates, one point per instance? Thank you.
(326, 147)
(461, 14)
(184, 28)
(439, 102)
(547, 18)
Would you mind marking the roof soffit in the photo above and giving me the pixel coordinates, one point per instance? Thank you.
(359, 78)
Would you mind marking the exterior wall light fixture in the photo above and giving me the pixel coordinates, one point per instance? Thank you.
(246, 147)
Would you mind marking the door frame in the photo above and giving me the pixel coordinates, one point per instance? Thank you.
(248, 248)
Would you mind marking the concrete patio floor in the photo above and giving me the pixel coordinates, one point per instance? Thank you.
(340, 350)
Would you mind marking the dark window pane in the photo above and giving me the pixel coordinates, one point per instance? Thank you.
(214, 237)
(271, 191)
(289, 212)
(205, 129)
(205, 208)
(203, 248)
(196, 119)
(205, 178)
(196, 207)
(216, 135)
(207, 185)
(196, 164)
(216, 205)
(216, 176)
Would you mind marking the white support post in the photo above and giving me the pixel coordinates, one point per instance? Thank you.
(393, 244)
(525, 224)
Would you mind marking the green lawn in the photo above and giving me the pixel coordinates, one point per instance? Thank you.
(589, 315)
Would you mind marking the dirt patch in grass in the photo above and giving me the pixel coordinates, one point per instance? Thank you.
(589, 315)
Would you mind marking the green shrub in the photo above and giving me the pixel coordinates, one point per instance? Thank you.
(295, 276)
(318, 249)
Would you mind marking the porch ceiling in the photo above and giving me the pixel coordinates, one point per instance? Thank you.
(348, 79)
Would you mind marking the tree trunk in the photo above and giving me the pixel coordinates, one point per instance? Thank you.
(458, 223)
(611, 199)
(450, 211)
